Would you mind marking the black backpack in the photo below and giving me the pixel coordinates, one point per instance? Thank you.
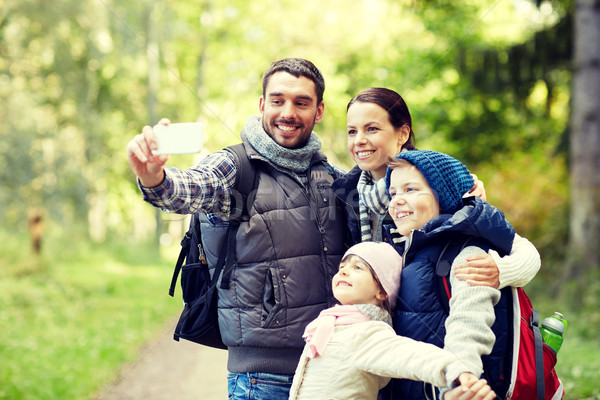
(198, 321)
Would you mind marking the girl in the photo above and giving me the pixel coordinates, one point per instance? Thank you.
(351, 350)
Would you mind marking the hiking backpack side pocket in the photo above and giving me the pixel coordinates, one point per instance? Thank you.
(199, 320)
(535, 376)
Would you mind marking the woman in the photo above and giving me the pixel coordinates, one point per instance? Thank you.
(379, 127)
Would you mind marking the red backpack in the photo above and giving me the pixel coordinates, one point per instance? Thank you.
(528, 372)
(535, 360)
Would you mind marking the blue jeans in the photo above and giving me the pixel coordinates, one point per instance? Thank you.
(259, 386)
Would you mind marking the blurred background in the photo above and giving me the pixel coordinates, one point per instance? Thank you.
(510, 87)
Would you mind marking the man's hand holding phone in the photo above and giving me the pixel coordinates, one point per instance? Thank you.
(149, 151)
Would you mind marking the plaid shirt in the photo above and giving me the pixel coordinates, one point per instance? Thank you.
(204, 187)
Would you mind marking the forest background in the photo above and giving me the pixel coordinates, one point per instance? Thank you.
(490, 82)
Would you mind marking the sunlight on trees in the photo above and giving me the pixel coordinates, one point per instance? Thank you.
(74, 84)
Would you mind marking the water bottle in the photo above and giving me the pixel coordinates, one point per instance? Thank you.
(553, 328)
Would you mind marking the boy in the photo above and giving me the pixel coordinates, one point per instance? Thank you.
(427, 206)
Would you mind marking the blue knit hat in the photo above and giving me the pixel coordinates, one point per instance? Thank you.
(448, 178)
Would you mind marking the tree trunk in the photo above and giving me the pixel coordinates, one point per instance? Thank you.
(584, 246)
(153, 58)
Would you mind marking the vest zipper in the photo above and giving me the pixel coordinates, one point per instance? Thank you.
(310, 193)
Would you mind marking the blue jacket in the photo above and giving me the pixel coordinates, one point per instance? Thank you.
(419, 313)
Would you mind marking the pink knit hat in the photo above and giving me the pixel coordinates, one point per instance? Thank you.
(385, 261)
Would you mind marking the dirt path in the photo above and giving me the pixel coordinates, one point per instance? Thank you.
(172, 370)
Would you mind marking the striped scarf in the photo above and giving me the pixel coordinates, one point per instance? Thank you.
(372, 199)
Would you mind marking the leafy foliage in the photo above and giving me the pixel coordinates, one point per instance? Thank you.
(77, 74)
(487, 81)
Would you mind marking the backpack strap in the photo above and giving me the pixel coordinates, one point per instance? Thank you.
(539, 355)
(185, 247)
(443, 267)
(227, 255)
(242, 198)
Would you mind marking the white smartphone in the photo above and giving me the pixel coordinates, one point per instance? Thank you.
(179, 138)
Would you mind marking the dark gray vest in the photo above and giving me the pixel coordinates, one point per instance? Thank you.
(285, 256)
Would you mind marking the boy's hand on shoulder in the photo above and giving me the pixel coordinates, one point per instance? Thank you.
(470, 388)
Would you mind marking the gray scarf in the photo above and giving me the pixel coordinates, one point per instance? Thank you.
(285, 160)
(372, 198)
(374, 312)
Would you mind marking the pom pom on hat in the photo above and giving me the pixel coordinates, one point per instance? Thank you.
(385, 261)
(448, 178)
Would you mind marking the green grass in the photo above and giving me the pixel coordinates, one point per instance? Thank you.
(579, 368)
(578, 361)
(73, 316)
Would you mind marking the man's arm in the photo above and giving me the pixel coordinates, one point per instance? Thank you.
(205, 187)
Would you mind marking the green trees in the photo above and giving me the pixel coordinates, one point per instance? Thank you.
(488, 81)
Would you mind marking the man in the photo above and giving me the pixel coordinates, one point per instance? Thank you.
(291, 247)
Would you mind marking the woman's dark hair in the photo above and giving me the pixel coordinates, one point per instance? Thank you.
(395, 106)
(297, 67)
